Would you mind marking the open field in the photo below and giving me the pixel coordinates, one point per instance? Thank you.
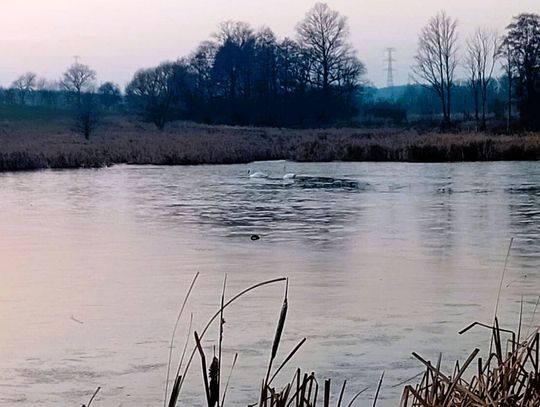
(52, 143)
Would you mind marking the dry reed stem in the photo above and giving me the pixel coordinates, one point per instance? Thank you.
(93, 397)
(221, 322)
(212, 319)
(505, 379)
(228, 379)
(171, 346)
(203, 366)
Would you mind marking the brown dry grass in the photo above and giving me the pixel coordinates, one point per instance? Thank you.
(52, 144)
(510, 376)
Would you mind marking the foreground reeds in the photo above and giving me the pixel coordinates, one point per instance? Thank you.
(508, 377)
(303, 390)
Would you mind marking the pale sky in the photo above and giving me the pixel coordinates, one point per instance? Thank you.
(116, 37)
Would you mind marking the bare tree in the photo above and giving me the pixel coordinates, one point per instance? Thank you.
(48, 92)
(201, 63)
(471, 65)
(237, 32)
(87, 116)
(265, 63)
(324, 34)
(482, 56)
(293, 67)
(156, 92)
(24, 85)
(436, 59)
(77, 79)
(233, 67)
(110, 95)
(507, 67)
(78, 82)
(522, 47)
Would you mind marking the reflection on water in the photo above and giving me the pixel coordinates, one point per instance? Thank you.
(95, 264)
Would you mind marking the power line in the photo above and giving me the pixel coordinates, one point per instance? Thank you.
(390, 66)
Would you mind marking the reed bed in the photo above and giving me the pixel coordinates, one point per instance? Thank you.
(120, 140)
(303, 390)
(509, 376)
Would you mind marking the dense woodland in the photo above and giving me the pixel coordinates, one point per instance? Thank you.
(247, 76)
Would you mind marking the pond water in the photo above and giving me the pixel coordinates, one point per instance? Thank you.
(95, 265)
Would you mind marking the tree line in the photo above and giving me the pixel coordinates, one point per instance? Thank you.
(518, 51)
(240, 76)
(416, 104)
(247, 76)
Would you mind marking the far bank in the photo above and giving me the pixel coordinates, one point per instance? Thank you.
(43, 143)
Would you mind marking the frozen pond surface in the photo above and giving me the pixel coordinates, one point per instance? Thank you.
(95, 264)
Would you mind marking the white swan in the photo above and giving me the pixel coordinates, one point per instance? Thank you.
(288, 175)
(257, 174)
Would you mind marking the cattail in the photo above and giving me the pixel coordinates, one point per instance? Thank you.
(213, 373)
(279, 331)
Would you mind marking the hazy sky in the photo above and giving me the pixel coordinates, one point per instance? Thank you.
(116, 37)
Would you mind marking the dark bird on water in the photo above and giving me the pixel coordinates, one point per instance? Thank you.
(255, 237)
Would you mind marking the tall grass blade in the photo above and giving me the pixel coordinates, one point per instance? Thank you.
(502, 277)
(326, 399)
(93, 396)
(228, 379)
(533, 315)
(229, 302)
(185, 345)
(341, 393)
(171, 346)
(174, 392)
(356, 396)
(378, 389)
(289, 357)
(203, 365)
(520, 320)
(221, 322)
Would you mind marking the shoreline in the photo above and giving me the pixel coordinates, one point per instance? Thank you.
(32, 145)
